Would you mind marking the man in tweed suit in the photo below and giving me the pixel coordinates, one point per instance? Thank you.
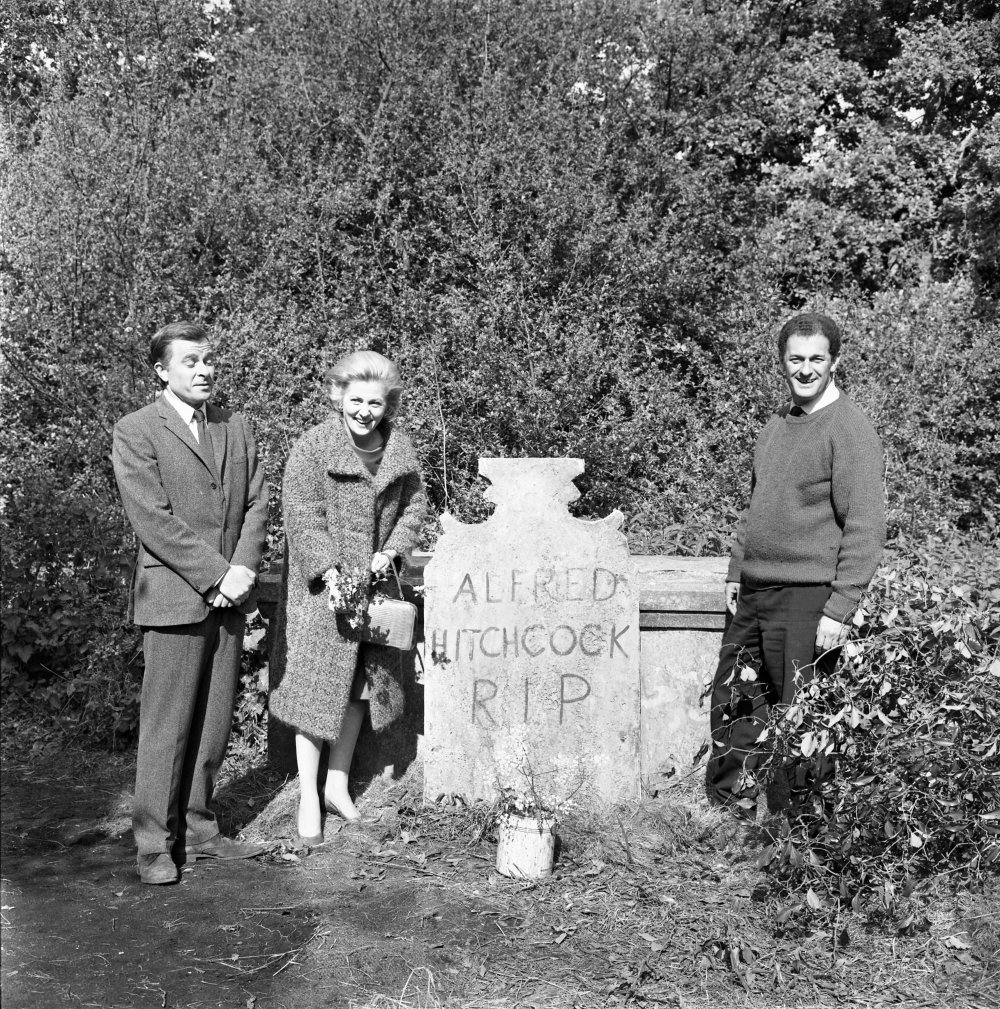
(197, 499)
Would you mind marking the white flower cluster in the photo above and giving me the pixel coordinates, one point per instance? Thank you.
(632, 80)
(528, 787)
(215, 11)
(216, 8)
(826, 142)
(41, 59)
(348, 593)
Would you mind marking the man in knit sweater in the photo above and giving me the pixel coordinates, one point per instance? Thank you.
(806, 548)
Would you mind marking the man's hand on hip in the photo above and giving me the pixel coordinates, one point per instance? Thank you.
(236, 583)
(831, 634)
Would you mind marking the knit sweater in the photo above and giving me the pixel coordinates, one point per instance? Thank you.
(817, 506)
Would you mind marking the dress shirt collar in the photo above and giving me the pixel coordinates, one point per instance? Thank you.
(830, 395)
(185, 410)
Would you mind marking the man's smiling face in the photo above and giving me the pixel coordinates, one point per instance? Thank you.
(808, 368)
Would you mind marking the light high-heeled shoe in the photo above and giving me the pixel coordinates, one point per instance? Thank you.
(310, 841)
(331, 807)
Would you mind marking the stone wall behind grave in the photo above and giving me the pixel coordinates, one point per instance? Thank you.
(682, 614)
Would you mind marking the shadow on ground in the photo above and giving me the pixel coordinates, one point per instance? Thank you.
(306, 929)
(662, 904)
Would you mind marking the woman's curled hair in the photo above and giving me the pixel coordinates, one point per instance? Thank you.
(365, 366)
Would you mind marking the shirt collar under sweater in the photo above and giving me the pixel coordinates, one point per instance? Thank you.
(830, 395)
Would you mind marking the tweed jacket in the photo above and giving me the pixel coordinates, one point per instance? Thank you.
(337, 515)
(190, 525)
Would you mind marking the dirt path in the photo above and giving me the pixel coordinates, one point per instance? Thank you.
(80, 930)
(663, 905)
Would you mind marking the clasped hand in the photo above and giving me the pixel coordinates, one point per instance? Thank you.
(233, 589)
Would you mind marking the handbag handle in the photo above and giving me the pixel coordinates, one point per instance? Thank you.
(395, 574)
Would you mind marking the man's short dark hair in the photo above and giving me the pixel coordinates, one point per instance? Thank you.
(159, 346)
(811, 324)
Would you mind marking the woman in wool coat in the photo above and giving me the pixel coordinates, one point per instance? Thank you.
(353, 501)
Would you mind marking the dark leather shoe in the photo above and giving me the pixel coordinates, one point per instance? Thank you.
(747, 814)
(157, 869)
(223, 847)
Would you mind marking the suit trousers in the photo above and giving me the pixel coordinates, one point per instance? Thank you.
(188, 695)
(774, 634)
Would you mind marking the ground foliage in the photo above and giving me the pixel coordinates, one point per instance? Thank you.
(663, 903)
(660, 903)
(895, 757)
(574, 225)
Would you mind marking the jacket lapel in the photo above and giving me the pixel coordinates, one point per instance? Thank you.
(173, 423)
(395, 462)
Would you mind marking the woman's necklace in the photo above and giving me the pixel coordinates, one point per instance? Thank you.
(369, 451)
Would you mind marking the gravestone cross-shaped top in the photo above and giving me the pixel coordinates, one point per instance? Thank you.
(531, 637)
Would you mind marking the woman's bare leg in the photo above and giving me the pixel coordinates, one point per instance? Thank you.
(307, 751)
(339, 766)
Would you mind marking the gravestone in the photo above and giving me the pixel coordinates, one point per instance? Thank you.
(531, 644)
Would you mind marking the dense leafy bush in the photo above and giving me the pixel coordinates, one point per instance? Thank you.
(575, 225)
(67, 649)
(249, 735)
(898, 754)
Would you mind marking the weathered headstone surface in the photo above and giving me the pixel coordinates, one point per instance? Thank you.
(531, 632)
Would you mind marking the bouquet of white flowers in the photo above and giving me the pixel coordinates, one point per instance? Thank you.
(350, 592)
(375, 616)
(530, 796)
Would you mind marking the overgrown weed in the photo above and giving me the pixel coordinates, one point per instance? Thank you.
(895, 757)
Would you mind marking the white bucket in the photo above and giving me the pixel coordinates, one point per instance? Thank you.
(527, 848)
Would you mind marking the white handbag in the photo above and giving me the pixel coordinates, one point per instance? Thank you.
(390, 622)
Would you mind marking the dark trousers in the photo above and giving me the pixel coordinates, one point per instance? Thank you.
(188, 695)
(773, 633)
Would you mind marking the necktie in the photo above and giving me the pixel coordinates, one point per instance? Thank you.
(205, 442)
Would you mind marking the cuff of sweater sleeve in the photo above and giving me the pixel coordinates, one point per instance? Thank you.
(733, 574)
(839, 608)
